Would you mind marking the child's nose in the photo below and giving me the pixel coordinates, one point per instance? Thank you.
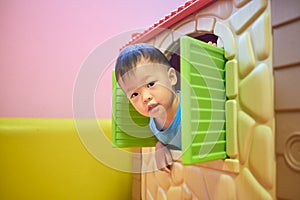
(147, 96)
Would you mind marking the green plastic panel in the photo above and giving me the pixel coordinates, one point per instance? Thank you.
(129, 128)
(203, 101)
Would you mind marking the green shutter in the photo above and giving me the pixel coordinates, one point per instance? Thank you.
(203, 101)
(129, 128)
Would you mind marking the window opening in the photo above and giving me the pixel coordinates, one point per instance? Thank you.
(201, 68)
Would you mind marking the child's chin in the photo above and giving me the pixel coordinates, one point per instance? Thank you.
(155, 114)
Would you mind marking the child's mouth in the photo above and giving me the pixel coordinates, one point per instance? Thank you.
(152, 107)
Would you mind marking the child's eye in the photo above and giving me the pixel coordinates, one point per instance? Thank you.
(133, 95)
(151, 84)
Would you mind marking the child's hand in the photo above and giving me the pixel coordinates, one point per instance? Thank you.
(212, 43)
(163, 157)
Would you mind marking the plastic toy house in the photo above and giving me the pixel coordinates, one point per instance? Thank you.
(237, 94)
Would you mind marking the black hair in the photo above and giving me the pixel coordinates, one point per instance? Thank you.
(133, 54)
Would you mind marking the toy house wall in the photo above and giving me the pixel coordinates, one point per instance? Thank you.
(286, 63)
(249, 173)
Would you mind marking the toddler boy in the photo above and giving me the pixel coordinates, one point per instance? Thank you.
(148, 80)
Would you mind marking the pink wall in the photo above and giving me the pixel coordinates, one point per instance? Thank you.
(44, 44)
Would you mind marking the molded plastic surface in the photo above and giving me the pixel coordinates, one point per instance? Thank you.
(203, 101)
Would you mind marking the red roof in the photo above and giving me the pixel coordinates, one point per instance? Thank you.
(175, 16)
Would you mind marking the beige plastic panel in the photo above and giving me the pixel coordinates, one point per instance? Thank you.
(245, 55)
(260, 32)
(228, 39)
(253, 190)
(221, 10)
(245, 16)
(286, 44)
(286, 28)
(164, 39)
(205, 24)
(231, 128)
(287, 92)
(231, 79)
(288, 180)
(262, 164)
(186, 28)
(283, 12)
(256, 93)
(240, 3)
(287, 151)
(249, 173)
(245, 129)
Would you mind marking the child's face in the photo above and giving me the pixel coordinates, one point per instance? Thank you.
(149, 88)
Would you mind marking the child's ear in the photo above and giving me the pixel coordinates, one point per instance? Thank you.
(172, 76)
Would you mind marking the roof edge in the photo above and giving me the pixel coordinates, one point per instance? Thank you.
(175, 16)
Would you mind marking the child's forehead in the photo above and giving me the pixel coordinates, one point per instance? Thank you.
(149, 64)
(139, 75)
(142, 69)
